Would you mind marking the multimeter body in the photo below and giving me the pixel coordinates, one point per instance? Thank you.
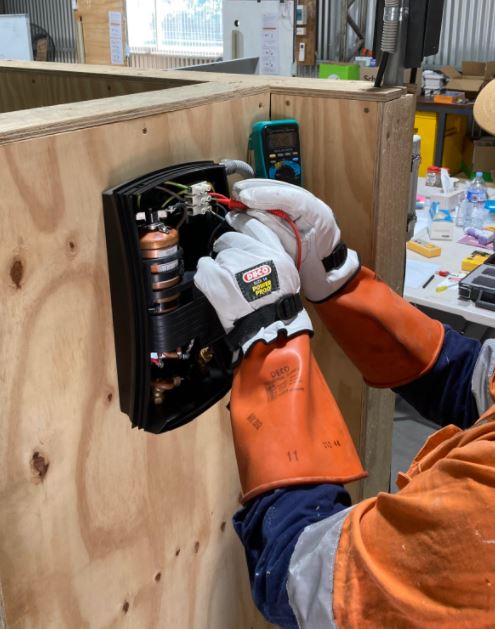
(277, 153)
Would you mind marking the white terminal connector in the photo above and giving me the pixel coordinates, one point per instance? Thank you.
(198, 200)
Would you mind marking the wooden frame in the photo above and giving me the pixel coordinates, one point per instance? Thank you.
(105, 526)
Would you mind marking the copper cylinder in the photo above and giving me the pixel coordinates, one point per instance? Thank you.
(160, 241)
(154, 243)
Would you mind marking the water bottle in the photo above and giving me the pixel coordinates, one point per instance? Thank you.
(477, 195)
(464, 216)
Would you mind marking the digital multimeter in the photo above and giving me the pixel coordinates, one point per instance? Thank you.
(276, 148)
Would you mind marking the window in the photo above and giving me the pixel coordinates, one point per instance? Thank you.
(176, 27)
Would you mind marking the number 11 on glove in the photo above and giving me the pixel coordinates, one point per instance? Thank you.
(286, 424)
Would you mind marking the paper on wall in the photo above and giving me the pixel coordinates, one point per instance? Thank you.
(270, 48)
(115, 32)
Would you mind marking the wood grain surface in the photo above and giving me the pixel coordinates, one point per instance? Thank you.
(28, 89)
(94, 19)
(26, 84)
(42, 121)
(356, 156)
(102, 525)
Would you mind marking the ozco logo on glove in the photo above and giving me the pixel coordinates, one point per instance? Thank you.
(258, 281)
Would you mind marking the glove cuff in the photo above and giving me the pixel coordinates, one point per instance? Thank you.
(285, 309)
(341, 267)
(337, 258)
(299, 324)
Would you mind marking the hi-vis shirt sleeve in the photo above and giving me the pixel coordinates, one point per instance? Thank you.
(445, 394)
(482, 384)
(270, 527)
(310, 582)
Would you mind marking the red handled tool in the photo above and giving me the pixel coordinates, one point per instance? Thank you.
(232, 204)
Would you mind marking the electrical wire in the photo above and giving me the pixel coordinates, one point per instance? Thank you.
(213, 237)
(172, 195)
(232, 204)
(183, 207)
(216, 214)
(177, 185)
(284, 216)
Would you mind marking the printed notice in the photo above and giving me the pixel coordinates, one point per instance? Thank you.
(270, 49)
(115, 32)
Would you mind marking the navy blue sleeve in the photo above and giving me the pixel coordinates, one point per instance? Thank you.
(269, 527)
(443, 394)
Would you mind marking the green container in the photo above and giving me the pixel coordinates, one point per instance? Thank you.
(347, 71)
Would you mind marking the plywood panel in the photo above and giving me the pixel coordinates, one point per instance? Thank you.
(94, 18)
(27, 124)
(30, 88)
(339, 140)
(391, 198)
(101, 525)
(355, 154)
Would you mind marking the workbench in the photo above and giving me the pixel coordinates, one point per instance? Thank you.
(446, 306)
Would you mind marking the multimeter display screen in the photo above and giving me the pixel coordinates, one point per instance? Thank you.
(280, 140)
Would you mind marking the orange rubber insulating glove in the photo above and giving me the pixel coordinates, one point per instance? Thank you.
(287, 427)
(391, 342)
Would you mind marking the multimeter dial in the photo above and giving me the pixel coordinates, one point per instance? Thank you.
(288, 171)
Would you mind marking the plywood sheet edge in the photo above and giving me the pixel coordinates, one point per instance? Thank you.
(293, 85)
(355, 90)
(30, 123)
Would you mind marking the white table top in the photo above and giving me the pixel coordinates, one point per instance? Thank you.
(450, 259)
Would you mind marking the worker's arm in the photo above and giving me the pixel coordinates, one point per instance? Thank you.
(292, 445)
(270, 527)
(442, 374)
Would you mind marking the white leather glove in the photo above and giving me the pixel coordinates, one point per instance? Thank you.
(254, 287)
(326, 263)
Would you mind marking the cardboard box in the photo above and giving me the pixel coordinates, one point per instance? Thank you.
(473, 68)
(369, 74)
(490, 70)
(484, 154)
(474, 76)
(447, 200)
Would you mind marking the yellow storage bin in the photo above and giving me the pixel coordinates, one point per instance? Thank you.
(452, 151)
(425, 125)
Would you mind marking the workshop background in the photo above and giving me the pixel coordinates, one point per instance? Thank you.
(105, 526)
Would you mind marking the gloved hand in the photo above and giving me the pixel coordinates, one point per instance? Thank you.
(254, 287)
(287, 427)
(326, 263)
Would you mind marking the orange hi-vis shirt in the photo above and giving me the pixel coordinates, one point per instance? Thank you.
(425, 557)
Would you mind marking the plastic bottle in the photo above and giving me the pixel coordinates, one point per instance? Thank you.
(464, 216)
(473, 208)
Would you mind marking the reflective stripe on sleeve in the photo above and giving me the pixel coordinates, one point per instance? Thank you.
(482, 375)
(311, 573)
